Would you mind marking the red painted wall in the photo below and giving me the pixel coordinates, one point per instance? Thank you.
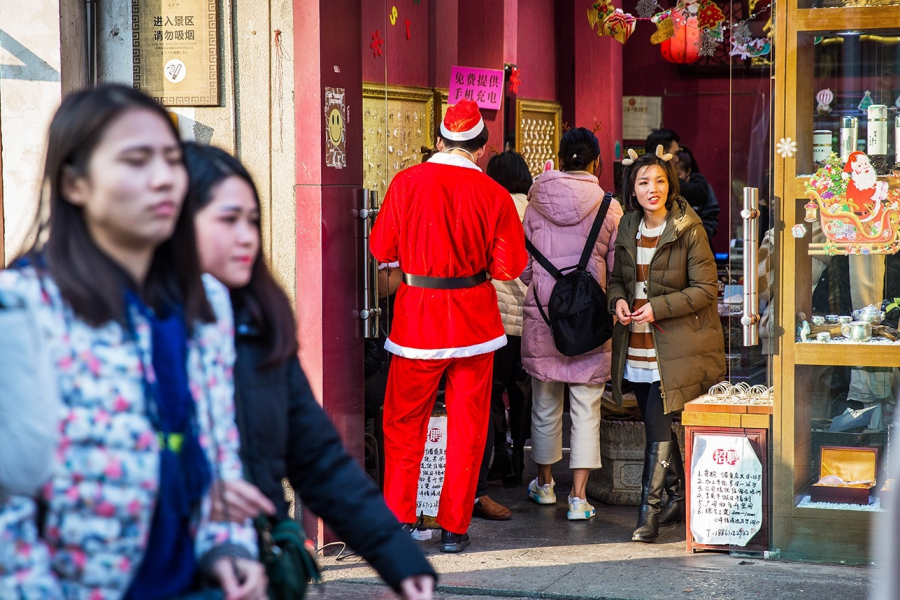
(536, 46)
(715, 117)
(482, 39)
(404, 62)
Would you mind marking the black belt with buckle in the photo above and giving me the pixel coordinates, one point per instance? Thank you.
(444, 283)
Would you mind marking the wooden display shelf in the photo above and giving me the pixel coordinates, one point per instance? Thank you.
(847, 355)
(698, 413)
(719, 419)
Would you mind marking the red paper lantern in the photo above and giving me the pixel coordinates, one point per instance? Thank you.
(684, 47)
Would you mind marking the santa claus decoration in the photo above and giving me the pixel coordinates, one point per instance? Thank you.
(864, 192)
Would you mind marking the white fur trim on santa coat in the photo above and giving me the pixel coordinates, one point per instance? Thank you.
(443, 353)
(453, 160)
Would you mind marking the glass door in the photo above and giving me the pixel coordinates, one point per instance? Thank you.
(837, 123)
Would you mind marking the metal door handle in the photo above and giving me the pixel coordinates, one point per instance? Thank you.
(750, 319)
(370, 310)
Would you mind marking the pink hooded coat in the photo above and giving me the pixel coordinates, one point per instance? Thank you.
(561, 210)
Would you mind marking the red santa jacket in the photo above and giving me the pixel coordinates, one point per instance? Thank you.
(445, 218)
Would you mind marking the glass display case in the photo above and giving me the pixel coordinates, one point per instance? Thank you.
(837, 190)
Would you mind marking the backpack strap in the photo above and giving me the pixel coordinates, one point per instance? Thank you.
(542, 260)
(595, 232)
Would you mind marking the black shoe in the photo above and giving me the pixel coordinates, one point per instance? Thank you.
(656, 463)
(453, 542)
(673, 510)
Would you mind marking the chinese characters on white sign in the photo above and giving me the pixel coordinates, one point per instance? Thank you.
(726, 490)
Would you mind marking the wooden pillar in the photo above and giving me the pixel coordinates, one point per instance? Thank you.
(328, 53)
(590, 81)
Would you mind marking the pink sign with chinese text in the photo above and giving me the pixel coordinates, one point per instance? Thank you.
(483, 86)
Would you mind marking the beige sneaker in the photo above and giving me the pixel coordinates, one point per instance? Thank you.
(579, 509)
(542, 494)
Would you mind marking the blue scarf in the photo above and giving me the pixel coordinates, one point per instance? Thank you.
(169, 565)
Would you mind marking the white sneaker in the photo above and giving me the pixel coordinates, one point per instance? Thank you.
(579, 509)
(542, 494)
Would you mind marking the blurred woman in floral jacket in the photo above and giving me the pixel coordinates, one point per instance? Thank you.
(142, 350)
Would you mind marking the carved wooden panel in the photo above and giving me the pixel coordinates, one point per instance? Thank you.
(538, 132)
(397, 123)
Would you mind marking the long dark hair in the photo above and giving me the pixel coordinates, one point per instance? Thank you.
(89, 281)
(510, 170)
(267, 304)
(631, 172)
(578, 148)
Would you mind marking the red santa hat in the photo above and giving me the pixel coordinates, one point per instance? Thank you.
(848, 168)
(463, 122)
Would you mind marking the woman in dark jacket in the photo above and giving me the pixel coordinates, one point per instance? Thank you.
(697, 191)
(284, 432)
(668, 339)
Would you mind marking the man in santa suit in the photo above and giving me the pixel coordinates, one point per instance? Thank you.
(864, 192)
(451, 227)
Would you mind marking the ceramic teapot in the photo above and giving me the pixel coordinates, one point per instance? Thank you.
(870, 314)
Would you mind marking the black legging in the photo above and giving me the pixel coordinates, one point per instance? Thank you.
(657, 423)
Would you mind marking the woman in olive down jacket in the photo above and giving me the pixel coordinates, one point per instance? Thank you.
(284, 432)
(668, 338)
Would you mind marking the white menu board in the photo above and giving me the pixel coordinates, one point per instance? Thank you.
(726, 490)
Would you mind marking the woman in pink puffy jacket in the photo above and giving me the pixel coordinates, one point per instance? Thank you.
(562, 208)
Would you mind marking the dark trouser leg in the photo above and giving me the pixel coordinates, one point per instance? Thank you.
(519, 392)
(482, 488)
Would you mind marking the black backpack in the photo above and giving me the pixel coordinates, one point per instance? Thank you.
(579, 316)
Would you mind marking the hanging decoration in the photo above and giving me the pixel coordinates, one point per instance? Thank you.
(376, 44)
(866, 102)
(683, 48)
(645, 8)
(709, 14)
(754, 48)
(394, 15)
(859, 214)
(786, 147)
(407, 29)
(665, 28)
(514, 81)
(710, 40)
(703, 28)
(824, 98)
(611, 21)
(619, 26)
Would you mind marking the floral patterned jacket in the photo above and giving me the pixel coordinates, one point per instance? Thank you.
(101, 495)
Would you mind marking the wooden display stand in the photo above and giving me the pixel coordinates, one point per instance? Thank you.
(750, 421)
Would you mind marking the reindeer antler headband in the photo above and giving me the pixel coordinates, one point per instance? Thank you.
(632, 156)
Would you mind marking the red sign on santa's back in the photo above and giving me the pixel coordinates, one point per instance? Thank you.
(483, 86)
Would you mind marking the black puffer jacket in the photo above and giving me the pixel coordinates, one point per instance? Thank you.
(285, 433)
(699, 194)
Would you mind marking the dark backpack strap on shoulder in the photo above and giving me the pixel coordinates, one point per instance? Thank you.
(595, 232)
(541, 309)
(542, 260)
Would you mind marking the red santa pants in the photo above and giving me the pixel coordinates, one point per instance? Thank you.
(411, 391)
